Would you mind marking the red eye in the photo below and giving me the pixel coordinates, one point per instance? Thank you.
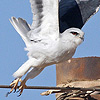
(74, 33)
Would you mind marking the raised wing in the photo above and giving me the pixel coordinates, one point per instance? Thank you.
(74, 13)
(45, 17)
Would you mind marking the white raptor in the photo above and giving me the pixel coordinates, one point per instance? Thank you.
(44, 43)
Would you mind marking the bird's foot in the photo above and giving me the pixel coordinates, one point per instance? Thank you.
(22, 87)
(14, 85)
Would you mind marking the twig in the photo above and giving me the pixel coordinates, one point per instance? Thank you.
(55, 88)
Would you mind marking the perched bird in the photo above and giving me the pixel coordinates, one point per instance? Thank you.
(49, 40)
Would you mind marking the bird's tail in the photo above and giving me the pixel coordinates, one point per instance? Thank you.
(22, 28)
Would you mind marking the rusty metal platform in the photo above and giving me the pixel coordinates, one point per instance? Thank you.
(78, 69)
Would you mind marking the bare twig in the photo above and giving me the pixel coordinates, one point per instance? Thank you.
(55, 88)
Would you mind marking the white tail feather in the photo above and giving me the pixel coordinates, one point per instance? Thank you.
(22, 28)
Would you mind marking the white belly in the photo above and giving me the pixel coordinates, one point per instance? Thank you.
(51, 53)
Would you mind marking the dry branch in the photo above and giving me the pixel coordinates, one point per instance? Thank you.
(55, 88)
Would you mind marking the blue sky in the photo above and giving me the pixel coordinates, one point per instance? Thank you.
(12, 54)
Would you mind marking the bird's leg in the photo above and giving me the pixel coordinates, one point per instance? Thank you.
(31, 74)
(14, 85)
(22, 87)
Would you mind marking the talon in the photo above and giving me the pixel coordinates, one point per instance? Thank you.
(14, 85)
(19, 95)
(17, 91)
(7, 94)
(21, 88)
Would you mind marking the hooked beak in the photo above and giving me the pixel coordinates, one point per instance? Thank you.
(82, 38)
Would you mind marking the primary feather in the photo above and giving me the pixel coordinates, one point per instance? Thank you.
(45, 17)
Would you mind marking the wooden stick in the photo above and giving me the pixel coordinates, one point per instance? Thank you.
(55, 88)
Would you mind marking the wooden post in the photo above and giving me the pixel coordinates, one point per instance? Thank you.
(79, 72)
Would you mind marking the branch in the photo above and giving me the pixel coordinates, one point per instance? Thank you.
(55, 88)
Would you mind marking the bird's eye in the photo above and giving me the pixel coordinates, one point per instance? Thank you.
(74, 33)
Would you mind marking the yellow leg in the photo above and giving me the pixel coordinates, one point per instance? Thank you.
(22, 87)
(14, 85)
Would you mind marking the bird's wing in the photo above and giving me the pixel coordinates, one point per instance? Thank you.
(22, 28)
(74, 13)
(45, 17)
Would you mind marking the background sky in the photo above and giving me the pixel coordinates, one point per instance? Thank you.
(12, 54)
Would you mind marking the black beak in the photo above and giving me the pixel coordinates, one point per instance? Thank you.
(82, 38)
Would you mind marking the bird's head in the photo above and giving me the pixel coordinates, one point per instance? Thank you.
(75, 35)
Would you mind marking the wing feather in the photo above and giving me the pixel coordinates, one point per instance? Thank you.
(88, 8)
(75, 13)
(22, 28)
(45, 17)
